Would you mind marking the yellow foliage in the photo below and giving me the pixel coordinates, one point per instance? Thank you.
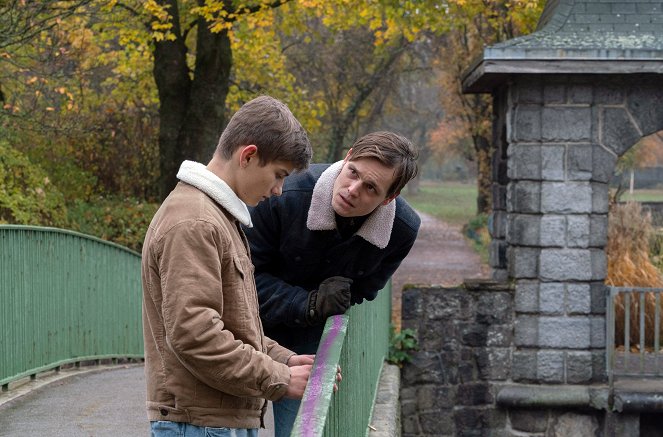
(471, 25)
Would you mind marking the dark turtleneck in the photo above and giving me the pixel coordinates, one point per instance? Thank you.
(348, 226)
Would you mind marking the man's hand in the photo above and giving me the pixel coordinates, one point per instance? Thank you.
(300, 360)
(298, 379)
(332, 297)
(300, 370)
(339, 377)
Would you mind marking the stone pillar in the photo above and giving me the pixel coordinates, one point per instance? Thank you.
(564, 136)
(497, 222)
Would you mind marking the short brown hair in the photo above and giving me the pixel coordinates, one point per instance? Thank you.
(269, 124)
(392, 150)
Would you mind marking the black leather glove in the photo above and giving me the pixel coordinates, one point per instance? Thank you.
(332, 297)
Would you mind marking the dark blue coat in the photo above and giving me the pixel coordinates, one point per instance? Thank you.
(291, 260)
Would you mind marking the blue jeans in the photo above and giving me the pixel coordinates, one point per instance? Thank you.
(162, 428)
(285, 413)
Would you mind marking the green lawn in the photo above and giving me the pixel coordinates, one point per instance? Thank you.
(455, 202)
(452, 202)
(644, 196)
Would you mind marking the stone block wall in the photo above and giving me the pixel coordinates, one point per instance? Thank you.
(557, 141)
(529, 358)
(463, 380)
(465, 339)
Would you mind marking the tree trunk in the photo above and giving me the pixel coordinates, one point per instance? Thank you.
(206, 107)
(191, 109)
(171, 75)
(339, 131)
(484, 177)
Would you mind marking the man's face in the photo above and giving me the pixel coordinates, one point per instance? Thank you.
(361, 187)
(261, 182)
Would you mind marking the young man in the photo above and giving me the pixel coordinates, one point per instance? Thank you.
(208, 365)
(334, 238)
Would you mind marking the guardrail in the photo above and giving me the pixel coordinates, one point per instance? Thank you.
(65, 298)
(357, 341)
(633, 346)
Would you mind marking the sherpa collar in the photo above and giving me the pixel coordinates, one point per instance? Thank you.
(196, 174)
(377, 227)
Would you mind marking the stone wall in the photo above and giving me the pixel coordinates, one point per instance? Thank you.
(558, 139)
(529, 358)
(464, 381)
(459, 382)
(465, 337)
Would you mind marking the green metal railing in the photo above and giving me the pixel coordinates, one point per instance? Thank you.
(636, 351)
(65, 297)
(357, 341)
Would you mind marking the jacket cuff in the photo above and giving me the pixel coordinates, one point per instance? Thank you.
(299, 309)
(276, 386)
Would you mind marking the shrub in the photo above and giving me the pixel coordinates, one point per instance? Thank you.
(122, 221)
(629, 265)
(656, 248)
(27, 196)
(401, 344)
(476, 230)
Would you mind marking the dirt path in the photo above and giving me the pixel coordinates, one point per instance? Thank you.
(440, 256)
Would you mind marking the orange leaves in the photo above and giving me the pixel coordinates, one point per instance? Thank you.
(650, 153)
(629, 232)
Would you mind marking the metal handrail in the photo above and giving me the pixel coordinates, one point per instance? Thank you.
(357, 341)
(65, 297)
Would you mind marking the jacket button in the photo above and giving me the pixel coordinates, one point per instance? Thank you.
(163, 412)
(298, 258)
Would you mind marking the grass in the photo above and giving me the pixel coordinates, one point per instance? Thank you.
(642, 195)
(456, 204)
(452, 202)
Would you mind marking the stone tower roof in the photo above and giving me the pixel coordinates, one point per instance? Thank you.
(578, 36)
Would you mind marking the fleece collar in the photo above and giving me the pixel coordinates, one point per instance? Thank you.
(196, 174)
(377, 227)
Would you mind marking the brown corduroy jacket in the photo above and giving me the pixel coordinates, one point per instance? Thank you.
(207, 360)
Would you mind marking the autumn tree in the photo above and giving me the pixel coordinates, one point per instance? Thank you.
(648, 152)
(79, 100)
(342, 70)
(351, 58)
(207, 57)
(412, 107)
(475, 24)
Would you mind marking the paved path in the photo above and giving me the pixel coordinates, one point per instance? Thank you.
(111, 401)
(105, 401)
(440, 256)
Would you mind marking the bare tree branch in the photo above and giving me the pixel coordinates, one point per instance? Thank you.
(22, 21)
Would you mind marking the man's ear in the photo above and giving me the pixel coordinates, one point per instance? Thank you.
(246, 153)
(390, 198)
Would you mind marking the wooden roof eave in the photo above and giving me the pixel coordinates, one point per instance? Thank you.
(486, 73)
